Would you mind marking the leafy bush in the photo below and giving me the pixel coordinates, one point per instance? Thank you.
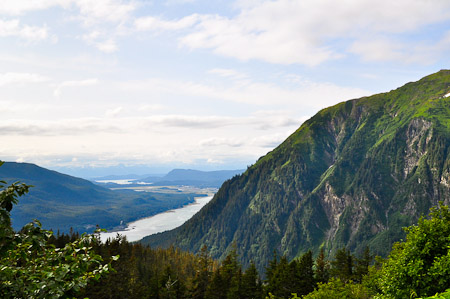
(420, 266)
(31, 267)
(336, 288)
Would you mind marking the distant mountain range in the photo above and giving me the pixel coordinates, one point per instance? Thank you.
(197, 178)
(113, 177)
(353, 175)
(62, 202)
(177, 177)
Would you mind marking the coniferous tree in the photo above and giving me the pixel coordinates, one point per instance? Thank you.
(306, 274)
(322, 269)
(203, 275)
(342, 265)
(171, 287)
(280, 284)
(271, 267)
(251, 284)
(216, 288)
(362, 264)
(234, 292)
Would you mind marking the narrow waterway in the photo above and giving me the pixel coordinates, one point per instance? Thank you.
(158, 223)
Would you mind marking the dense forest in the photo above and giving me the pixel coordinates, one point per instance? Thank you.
(416, 267)
(37, 264)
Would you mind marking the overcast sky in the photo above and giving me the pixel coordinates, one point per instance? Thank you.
(193, 83)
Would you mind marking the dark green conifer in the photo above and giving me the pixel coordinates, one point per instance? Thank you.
(203, 275)
(322, 269)
(251, 284)
(342, 265)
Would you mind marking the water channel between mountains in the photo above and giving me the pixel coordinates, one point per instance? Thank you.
(168, 220)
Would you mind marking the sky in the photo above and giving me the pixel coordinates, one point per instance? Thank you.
(114, 86)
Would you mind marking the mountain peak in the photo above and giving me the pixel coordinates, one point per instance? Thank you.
(352, 175)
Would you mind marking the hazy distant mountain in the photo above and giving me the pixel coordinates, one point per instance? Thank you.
(125, 177)
(197, 178)
(352, 175)
(61, 201)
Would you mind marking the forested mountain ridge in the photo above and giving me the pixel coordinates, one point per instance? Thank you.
(352, 175)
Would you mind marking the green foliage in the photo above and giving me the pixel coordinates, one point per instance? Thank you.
(420, 266)
(336, 288)
(143, 272)
(362, 265)
(285, 278)
(322, 268)
(342, 265)
(202, 275)
(444, 295)
(8, 197)
(251, 285)
(32, 267)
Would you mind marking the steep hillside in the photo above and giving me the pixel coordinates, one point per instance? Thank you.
(352, 175)
(62, 202)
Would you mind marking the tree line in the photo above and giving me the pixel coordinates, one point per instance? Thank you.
(144, 272)
(35, 263)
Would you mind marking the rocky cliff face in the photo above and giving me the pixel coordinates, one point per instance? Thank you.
(353, 175)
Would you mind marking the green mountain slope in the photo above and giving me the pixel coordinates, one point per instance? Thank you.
(62, 202)
(352, 175)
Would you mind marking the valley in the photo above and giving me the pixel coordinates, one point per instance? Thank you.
(136, 230)
(64, 203)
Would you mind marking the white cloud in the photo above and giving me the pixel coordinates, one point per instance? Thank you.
(384, 49)
(151, 107)
(92, 36)
(21, 78)
(106, 20)
(18, 7)
(74, 83)
(96, 11)
(108, 15)
(113, 123)
(68, 127)
(113, 112)
(305, 94)
(177, 2)
(85, 82)
(158, 24)
(220, 142)
(107, 46)
(269, 141)
(190, 121)
(228, 73)
(263, 141)
(102, 41)
(30, 33)
(302, 32)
